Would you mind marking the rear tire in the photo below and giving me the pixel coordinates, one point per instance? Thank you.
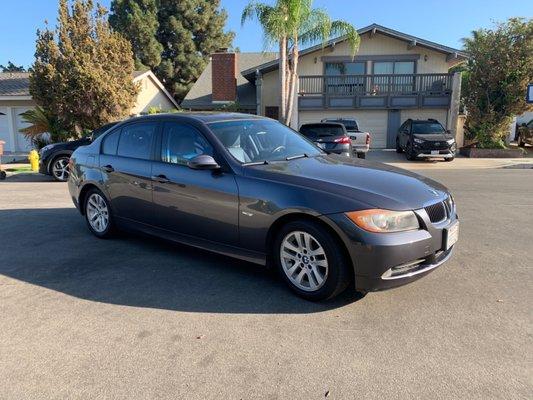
(98, 214)
(361, 155)
(311, 261)
(521, 143)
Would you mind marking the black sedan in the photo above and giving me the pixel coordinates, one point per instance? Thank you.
(251, 188)
(53, 158)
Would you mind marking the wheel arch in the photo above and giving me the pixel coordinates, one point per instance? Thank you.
(83, 194)
(302, 216)
(53, 158)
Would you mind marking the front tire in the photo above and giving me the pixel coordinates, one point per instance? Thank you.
(361, 155)
(409, 153)
(398, 147)
(59, 169)
(311, 261)
(98, 214)
(521, 143)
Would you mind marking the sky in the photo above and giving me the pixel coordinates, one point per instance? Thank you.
(444, 22)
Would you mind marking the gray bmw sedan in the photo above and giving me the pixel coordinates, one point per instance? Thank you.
(251, 188)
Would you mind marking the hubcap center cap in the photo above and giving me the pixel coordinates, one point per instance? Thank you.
(305, 260)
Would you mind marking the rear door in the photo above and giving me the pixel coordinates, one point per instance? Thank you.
(199, 203)
(126, 164)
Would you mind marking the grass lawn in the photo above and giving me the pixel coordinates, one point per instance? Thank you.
(17, 169)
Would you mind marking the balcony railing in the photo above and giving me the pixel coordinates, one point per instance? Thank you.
(375, 91)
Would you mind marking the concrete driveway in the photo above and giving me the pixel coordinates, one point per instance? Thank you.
(134, 318)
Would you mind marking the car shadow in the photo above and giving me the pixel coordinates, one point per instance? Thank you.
(53, 248)
(29, 177)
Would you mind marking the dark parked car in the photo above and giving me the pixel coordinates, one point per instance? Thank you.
(425, 139)
(360, 140)
(331, 137)
(53, 158)
(525, 134)
(251, 188)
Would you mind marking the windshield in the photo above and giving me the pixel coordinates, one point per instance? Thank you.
(427, 128)
(321, 131)
(251, 141)
(349, 124)
(97, 132)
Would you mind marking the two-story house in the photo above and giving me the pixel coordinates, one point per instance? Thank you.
(394, 76)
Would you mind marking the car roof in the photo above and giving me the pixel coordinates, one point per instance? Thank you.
(323, 124)
(424, 121)
(205, 117)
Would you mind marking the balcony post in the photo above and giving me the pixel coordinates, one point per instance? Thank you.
(453, 111)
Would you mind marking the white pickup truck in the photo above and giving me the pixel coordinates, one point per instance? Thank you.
(360, 140)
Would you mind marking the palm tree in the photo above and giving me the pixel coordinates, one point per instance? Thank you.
(41, 121)
(291, 23)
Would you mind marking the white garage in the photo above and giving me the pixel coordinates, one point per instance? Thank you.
(373, 121)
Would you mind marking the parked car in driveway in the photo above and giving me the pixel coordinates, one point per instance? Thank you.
(425, 139)
(53, 158)
(360, 140)
(331, 137)
(525, 134)
(251, 188)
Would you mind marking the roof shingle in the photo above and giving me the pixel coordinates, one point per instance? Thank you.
(14, 84)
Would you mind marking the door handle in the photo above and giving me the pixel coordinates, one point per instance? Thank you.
(160, 179)
(108, 168)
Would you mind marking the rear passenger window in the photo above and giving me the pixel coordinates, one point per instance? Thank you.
(110, 143)
(136, 140)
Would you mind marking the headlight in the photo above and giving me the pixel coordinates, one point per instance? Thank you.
(451, 141)
(418, 140)
(383, 221)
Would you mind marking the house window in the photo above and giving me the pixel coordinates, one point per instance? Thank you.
(345, 78)
(403, 83)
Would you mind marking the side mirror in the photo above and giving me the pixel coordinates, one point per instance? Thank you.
(203, 161)
(448, 131)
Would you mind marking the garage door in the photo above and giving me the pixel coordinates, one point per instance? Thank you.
(4, 129)
(440, 114)
(373, 121)
(23, 144)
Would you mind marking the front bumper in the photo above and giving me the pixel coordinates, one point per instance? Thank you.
(384, 261)
(441, 154)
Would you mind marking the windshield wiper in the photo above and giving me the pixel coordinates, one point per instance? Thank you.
(264, 162)
(304, 155)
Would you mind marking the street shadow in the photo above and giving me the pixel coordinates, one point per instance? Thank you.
(53, 248)
(29, 177)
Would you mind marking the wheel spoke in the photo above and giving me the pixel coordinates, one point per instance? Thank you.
(300, 276)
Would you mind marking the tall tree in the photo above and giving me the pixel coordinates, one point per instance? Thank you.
(10, 67)
(82, 72)
(186, 33)
(137, 21)
(291, 23)
(499, 68)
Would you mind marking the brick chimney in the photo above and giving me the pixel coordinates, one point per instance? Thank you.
(223, 75)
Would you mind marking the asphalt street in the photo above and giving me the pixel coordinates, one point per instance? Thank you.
(137, 318)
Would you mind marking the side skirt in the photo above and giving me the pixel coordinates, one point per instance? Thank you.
(227, 250)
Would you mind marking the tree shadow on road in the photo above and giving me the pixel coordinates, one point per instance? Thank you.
(53, 248)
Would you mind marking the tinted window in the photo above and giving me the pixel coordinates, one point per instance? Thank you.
(136, 140)
(260, 140)
(322, 130)
(181, 143)
(110, 143)
(427, 128)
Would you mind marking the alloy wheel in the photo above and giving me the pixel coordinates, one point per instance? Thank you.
(304, 261)
(97, 213)
(60, 169)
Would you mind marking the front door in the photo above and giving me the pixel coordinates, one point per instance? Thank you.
(393, 124)
(199, 203)
(125, 163)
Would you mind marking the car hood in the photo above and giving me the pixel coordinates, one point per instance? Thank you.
(435, 137)
(73, 144)
(375, 184)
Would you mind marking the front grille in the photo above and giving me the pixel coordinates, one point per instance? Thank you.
(436, 212)
(430, 145)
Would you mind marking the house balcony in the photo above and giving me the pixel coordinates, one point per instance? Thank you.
(319, 92)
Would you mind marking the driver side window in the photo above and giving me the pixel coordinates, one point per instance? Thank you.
(180, 143)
